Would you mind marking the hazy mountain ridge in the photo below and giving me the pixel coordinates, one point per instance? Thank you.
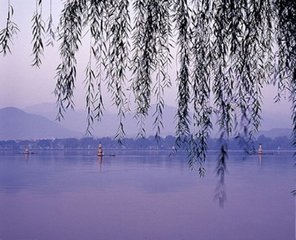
(272, 126)
(76, 119)
(17, 124)
(40, 122)
(276, 132)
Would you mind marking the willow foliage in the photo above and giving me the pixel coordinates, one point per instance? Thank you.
(227, 51)
(8, 32)
(38, 30)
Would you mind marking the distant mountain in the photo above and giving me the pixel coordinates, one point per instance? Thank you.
(276, 121)
(17, 124)
(276, 132)
(75, 120)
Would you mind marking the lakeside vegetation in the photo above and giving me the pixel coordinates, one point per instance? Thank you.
(165, 143)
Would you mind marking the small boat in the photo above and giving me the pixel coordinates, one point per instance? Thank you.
(27, 151)
(109, 155)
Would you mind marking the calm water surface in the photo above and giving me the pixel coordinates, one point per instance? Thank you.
(141, 195)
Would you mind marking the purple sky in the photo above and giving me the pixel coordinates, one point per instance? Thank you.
(22, 85)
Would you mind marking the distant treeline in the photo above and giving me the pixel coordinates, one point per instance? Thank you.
(168, 142)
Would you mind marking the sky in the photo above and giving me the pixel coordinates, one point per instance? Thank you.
(22, 85)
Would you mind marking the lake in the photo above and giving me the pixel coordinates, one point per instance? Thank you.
(139, 195)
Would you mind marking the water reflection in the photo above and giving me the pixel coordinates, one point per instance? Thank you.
(260, 159)
(100, 163)
(26, 157)
(144, 191)
(220, 191)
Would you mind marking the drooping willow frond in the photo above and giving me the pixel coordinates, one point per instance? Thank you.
(293, 100)
(243, 60)
(144, 56)
(182, 21)
(223, 82)
(96, 18)
(118, 57)
(90, 77)
(285, 30)
(70, 36)
(251, 58)
(51, 36)
(94, 98)
(163, 60)
(286, 33)
(7, 34)
(37, 33)
(201, 82)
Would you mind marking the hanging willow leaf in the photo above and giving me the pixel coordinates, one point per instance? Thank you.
(293, 100)
(51, 36)
(96, 17)
(182, 21)
(145, 56)
(90, 96)
(286, 36)
(69, 35)
(118, 57)
(201, 82)
(163, 34)
(7, 34)
(37, 33)
(248, 66)
(223, 82)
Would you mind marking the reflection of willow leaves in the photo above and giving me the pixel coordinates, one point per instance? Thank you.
(220, 193)
(227, 52)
